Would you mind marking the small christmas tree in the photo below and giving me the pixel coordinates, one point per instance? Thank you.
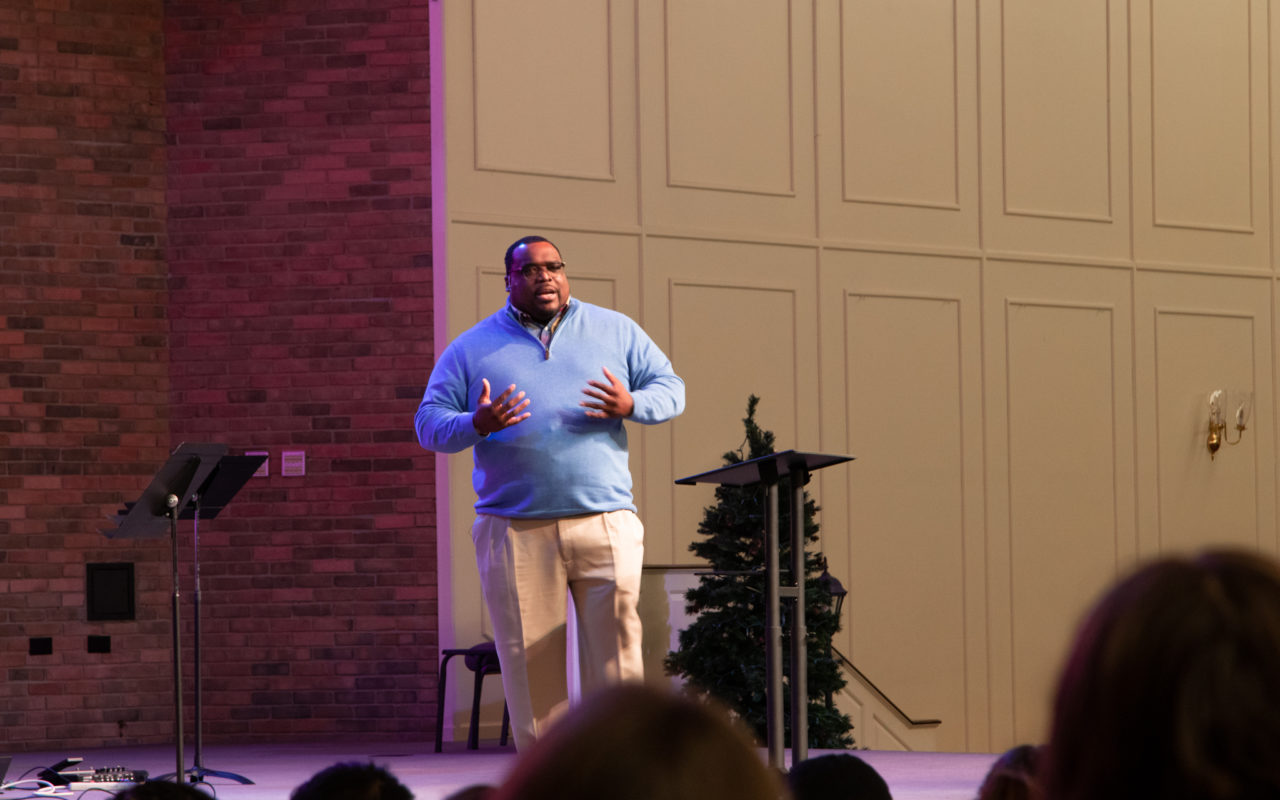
(722, 653)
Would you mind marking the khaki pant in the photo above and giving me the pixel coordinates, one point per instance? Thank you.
(527, 566)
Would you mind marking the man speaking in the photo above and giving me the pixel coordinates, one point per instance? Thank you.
(539, 390)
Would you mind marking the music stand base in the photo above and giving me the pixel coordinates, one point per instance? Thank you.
(198, 775)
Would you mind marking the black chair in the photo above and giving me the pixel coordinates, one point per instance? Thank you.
(481, 659)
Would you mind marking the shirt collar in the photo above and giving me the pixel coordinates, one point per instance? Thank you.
(529, 322)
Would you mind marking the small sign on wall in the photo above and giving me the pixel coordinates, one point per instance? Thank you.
(264, 469)
(293, 463)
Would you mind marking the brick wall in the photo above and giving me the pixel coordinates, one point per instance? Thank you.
(83, 359)
(299, 248)
(278, 298)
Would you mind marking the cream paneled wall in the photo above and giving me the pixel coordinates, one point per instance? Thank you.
(897, 124)
(1195, 330)
(901, 342)
(1055, 146)
(1060, 467)
(999, 251)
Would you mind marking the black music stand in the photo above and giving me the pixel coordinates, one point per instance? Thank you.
(197, 481)
(769, 470)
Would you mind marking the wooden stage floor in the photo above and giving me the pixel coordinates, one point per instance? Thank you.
(276, 769)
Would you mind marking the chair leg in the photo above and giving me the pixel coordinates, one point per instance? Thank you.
(440, 702)
(506, 724)
(473, 735)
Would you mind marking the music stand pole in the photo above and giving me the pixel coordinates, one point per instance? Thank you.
(799, 634)
(195, 610)
(198, 770)
(772, 621)
(172, 502)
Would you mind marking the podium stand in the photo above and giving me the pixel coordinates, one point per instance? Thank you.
(769, 471)
(197, 481)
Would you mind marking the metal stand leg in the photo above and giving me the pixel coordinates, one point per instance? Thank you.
(799, 656)
(773, 629)
(172, 502)
(198, 773)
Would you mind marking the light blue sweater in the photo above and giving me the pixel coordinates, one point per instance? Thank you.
(559, 462)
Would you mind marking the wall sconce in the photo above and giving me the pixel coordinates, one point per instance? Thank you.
(1219, 401)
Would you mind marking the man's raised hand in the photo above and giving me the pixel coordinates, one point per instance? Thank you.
(505, 411)
(610, 399)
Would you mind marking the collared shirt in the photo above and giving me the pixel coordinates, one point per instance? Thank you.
(538, 329)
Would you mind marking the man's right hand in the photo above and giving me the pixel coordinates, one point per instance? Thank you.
(505, 411)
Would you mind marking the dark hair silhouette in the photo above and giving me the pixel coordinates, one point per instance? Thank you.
(1172, 689)
(634, 742)
(1014, 775)
(352, 781)
(838, 776)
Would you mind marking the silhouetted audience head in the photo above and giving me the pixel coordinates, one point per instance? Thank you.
(162, 790)
(838, 776)
(1014, 775)
(1172, 689)
(476, 791)
(352, 781)
(635, 742)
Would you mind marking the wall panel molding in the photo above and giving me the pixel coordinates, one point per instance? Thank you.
(1201, 333)
(518, 52)
(731, 333)
(730, 122)
(1197, 351)
(1055, 162)
(1064, 527)
(899, 147)
(1202, 125)
(1056, 123)
(726, 116)
(899, 337)
(897, 156)
(1059, 369)
(905, 402)
(536, 109)
(998, 252)
(1202, 163)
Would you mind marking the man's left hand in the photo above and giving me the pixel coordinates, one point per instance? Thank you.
(610, 399)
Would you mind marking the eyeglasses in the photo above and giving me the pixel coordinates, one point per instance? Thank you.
(530, 271)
